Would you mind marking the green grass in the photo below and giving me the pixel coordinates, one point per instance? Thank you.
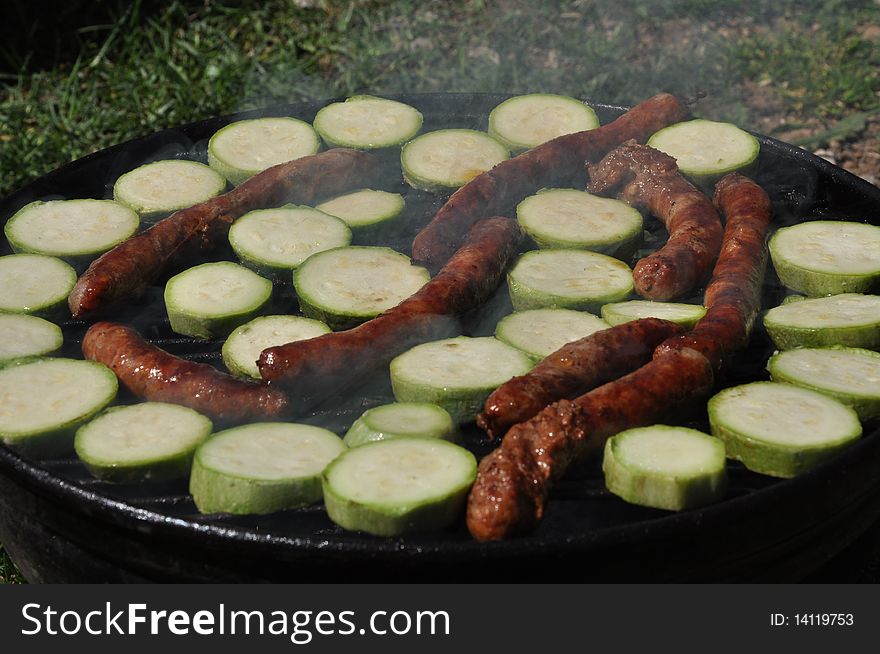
(9, 574)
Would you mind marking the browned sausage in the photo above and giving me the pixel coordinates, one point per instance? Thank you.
(131, 266)
(514, 481)
(496, 190)
(649, 179)
(321, 365)
(733, 296)
(574, 369)
(151, 373)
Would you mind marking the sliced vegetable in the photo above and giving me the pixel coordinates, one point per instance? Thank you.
(779, 429)
(401, 420)
(524, 121)
(27, 336)
(848, 374)
(262, 468)
(35, 284)
(570, 279)
(366, 212)
(827, 257)
(152, 441)
(686, 315)
(849, 319)
(366, 122)
(275, 241)
(242, 349)
(456, 373)
(399, 486)
(162, 187)
(74, 230)
(43, 401)
(540, 332)
(212, 299)
(671, 468)
(345, 286)
(449, 158)
(247, 147)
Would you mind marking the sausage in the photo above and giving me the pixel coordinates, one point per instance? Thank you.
(190, 233)
(513, 482)
(574, 369)
(649, 179)
(321, 365)
(549, 164)
(151, 373)
(733, 296)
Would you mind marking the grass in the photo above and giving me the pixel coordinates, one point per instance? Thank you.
(152, 65)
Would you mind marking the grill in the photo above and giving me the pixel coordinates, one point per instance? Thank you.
(61, 525)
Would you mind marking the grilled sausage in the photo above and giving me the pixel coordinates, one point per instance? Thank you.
(733, 296)
(574, 369)
(649, 179)
(513, 482)
(131, 266)
(151, 373)
(549, 164)
(321, 365)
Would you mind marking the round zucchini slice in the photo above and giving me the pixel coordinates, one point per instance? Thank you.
(399, 486)
(367, 212)
(212, 299)
(247, 147)
(153, 441)
(162, 187)
(779, 429)
(44, 401)
(76, 231)
(827, 257)
(849, 319)
(27, 336)
(568, 279)
(524, 121)
(35, 284)
(457, 374)
(401, 420)
(568, 218)
(244, 345)
(686, 315)
(262, 468)
(365, 122)
(448, 158)
(540, 332)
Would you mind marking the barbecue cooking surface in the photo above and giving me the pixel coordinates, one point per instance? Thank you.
(154, 531)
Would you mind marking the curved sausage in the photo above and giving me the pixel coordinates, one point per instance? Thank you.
(151, 373)
(549, 164)
(190, 233)
(574, 369)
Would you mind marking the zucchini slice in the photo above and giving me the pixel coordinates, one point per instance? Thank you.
(779, 429)
(153, 441)
(399, 486)
(849, 319)
(457, 374)
(367, 212)
(212, 299)
(345, 286)
(35, 284)
(706, 150)
(76, 231)
(400, 420)
(27, 336)
(568, 279)
(262, 468)
(848, 374)
(568, 218)
(686, 315)
(540, 332)
(663, 467)
(448, 158)
(244, 345)
(524, 121)
(247, 147)
(275, 241)
(365, 122)
(162, 187)
(827, 257)
(44, 401)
